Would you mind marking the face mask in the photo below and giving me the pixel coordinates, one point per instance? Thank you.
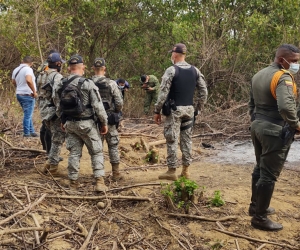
(294, 67)
(172, 60)
(121, 87)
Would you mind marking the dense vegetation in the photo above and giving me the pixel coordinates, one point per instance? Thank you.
(227, 39)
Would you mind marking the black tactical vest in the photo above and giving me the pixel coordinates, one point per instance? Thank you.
(105, 93)
(183, 86)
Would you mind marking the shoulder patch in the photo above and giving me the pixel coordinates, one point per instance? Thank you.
(289, 83)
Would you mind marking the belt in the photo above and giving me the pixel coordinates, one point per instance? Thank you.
(269, 119)
(75, 119)
(25, 94)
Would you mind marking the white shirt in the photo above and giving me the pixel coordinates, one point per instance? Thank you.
(21, 84)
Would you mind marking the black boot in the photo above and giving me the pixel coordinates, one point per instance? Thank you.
(260, 219)
(252, 205)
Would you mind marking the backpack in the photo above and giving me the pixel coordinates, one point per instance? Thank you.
(71, 101)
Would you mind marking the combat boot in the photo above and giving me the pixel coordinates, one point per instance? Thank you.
(260, 219)
(252, 205)
(50, 168)
(185, 172)
(100, 185)
(169, 175)
(116, 175)
(71, 184)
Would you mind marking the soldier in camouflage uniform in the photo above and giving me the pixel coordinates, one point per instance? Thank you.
(113, 103)
(47, 80)
(150, 84)
(178, 84)
(272, 107)
(81, 129)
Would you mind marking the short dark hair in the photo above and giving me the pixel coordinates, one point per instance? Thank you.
(286, 49)
(27, 59)
(121, 80)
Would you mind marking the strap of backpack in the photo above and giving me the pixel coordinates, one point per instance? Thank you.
(67, 81)
(80, 83)
(19, 71)
(275, 81)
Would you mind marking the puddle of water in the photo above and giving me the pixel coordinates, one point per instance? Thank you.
(242, 153)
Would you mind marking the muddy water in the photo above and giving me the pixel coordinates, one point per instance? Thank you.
(242, 152)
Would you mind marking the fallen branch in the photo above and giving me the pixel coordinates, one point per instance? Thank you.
(24, 210)
(202, 217)
(256, 240)
(63, 233)
(208, 134)
(135, 185)
(67, 227)
(6, 142)
(28, 149)
(261, 247)
(87, 240)
(18, 230)
(155, 143)
(36, 234)
(137, 134)
(8, 241)
(100, 197)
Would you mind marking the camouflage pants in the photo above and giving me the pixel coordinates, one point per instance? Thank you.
(270, 152)
(173, 133)
(57, 140)
(112, 139)
(151, 97)
(81, 133)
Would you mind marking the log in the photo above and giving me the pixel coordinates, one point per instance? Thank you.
(24, 210)
(63, 233)
(100, 197)
(155, 143)
(137, 134)
(202, 217)
(87, 240)
(28, 149)
(136, 185)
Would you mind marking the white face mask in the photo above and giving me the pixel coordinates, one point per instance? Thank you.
(294, 67)
(172, 60)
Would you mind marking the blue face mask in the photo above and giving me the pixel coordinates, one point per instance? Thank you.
(294, 67)
(121, 87)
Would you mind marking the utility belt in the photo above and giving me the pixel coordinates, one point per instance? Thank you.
(76, 119)
(270, 119)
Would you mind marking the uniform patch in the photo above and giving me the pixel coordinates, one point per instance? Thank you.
(289, 83)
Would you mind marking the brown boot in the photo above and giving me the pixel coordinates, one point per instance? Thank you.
(100, 185)
(72, 184)
(49, 167)
(116, 176)
(169, 175)
(185, 172)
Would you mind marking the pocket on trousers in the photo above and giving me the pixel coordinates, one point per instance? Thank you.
(271, 132)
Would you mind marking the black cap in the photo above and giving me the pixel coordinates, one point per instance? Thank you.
(179, 48)
(99, 62)
(75, 59)
(143, 78)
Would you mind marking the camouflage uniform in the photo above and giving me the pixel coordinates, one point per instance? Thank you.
(80, 132)
(47, 81)
(173, 122)
(151, 95)
(107, 94)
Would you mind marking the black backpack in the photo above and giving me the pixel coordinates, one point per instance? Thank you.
(71, 101)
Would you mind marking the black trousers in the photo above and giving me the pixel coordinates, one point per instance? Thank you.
(45, 137)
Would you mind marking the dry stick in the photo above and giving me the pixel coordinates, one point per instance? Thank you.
(100, 197)
(24, 210)
(87, 240)
(18, 230)
(143, 167)
(237, 244)
(18, 237)
(28, 149)
(17, 200)
(82, 229)
(115, 245)
(27, 194)
(208, 134)
(63, 233)
(44, 235)
(137, 134)
(219, 224)
(5, 141)
(203, 218)
(65, 226)
(135, 185)
(261, 247)
(255, 240)
(36, 234)
(8, 241)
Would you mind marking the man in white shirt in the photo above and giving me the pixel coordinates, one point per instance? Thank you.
(24, 81)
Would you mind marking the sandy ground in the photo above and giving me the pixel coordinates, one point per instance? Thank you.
(143, 224)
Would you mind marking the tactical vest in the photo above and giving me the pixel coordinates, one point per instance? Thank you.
(183, 86)
(45, 85)
(105, 93)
